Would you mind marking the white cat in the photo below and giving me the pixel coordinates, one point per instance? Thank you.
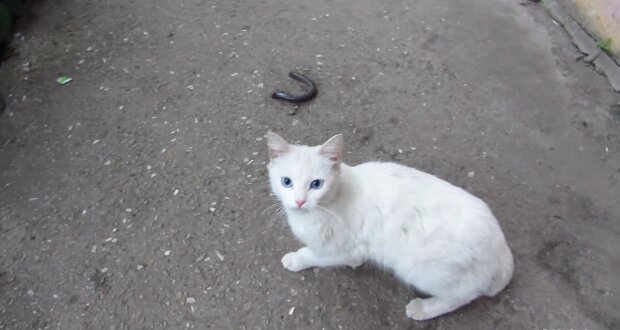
(431, 234)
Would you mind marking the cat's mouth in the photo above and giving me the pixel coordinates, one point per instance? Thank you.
(302, 209)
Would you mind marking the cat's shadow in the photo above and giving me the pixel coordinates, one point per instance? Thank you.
(386, 279)
(371, 291)
(380, 295)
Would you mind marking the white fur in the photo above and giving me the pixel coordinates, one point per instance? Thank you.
(431, 234)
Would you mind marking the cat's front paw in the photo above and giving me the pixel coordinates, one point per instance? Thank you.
(415, 310)
(292, 261)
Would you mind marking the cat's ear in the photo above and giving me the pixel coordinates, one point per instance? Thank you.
(277, 145)
(332, 149)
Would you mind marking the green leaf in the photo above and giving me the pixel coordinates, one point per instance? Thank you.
(63, 80)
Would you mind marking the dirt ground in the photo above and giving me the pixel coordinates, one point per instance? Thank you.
(136, 197)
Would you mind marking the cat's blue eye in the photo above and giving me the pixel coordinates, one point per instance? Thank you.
(286, 181)
(316, 184)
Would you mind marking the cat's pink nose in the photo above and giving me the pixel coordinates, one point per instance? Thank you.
(300, 202)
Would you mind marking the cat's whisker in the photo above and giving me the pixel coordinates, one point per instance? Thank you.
(332, 214)
(276, 218)
(270, 207)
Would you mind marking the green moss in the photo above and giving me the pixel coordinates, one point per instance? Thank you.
(604, 45)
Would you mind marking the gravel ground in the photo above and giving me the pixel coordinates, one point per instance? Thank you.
(136, 196)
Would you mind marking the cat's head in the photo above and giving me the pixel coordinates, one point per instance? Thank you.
(303, 176)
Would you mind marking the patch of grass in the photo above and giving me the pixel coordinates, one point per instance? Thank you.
(604, 45)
